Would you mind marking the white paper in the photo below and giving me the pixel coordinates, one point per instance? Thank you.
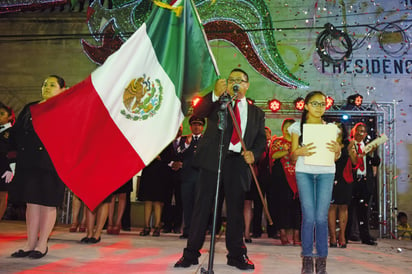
(319, 135)
(378, 141)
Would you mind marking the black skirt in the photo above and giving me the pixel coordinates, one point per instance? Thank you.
(126, 188)
(36, 186)
(154, 182)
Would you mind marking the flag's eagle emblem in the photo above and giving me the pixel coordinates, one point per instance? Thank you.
(142, 98)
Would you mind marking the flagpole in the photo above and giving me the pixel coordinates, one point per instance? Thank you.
(222, 125)
(237, 129)
(205, 37)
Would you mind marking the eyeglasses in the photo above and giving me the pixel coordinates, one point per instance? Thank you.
(317, 104)
(237, 80)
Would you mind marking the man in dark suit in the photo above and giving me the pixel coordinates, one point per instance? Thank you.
(173, 212)
(235, 173)
(364, 184)
(189, 174)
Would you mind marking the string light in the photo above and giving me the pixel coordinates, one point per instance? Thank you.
(274, 105)
(299, 103)
(196, 101)
(358, 100)
(329, 102)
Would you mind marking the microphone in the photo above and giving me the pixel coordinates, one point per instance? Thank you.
(236, 89)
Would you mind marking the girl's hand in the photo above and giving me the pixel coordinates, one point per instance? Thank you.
(306, 150)
(333, 146)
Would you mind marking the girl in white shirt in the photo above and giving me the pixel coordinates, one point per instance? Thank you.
(315, 183)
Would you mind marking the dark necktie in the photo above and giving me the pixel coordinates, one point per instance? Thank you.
(235, 138)
(361, 164)
(175, 144)
(194, 143)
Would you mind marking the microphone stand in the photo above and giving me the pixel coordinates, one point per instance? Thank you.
(224, 102)
(225, 105)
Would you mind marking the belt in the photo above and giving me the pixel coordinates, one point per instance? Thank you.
(360, 176)
(231, 153)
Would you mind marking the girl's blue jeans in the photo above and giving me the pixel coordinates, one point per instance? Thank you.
(315, 193)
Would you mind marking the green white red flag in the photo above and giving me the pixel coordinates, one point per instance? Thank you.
(104, 130)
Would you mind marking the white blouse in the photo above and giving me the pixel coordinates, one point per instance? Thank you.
(300, 163)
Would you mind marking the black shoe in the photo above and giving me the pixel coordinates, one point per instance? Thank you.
(354, 239)
(333, 245)
(184, 262)
(241, 263)
(369, 242)
(248, 241)
(145, 231)
(21, 253)
(35, 254)
(156, 232)
(93, 240)
(85, 240)
(183, 236)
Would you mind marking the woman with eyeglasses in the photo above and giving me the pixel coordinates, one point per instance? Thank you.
(315, 183)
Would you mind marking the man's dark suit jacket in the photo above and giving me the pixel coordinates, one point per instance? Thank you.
(208, 151)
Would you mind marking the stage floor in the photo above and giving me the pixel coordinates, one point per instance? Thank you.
(131, 253)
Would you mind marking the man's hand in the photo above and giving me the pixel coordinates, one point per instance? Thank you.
(7, 176)
(177, 165)
(220, 87)
(372, 149)
(248, 156)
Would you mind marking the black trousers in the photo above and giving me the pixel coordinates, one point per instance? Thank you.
(360, 208)
(232, 176)
(172, 215)
(188, 191)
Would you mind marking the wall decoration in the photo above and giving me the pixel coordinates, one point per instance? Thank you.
(246, 24)
(10, 6)
(335, 46)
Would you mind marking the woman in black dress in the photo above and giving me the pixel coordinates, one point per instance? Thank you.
(6, 122)
(342, 189)
(36, 182)
(153, 183)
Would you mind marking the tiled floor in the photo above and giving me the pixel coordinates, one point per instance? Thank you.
(131, 253)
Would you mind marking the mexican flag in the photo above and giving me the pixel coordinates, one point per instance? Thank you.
(104, 130)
